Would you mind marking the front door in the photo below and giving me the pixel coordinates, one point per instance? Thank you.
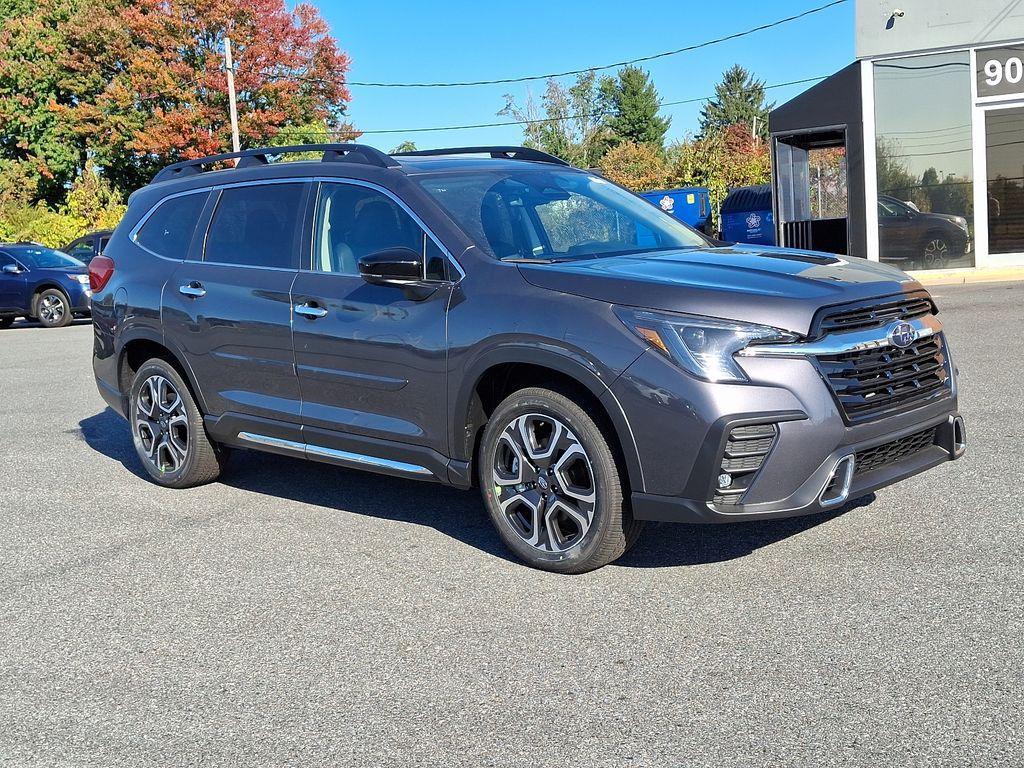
(13, 293)
(370, 359)
(230, 308)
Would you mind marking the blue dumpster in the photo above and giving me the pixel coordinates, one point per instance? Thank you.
(689, 204)
(747, 215)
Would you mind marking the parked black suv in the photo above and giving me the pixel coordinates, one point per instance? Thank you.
(88, 246)
(917, 240)
(492, 316)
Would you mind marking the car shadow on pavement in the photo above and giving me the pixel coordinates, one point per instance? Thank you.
(675, 544)
(454, 513)
(107, 433)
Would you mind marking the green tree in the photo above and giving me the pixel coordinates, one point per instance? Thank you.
(38, 146)
(739, 98)
(405, 146)
(569, 123)
(634, 104)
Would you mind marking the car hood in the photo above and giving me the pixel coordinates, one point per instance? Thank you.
(772, 286)
(943, 216)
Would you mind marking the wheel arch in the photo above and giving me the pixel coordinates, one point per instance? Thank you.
(141, 344)
(40, 288)
(495, 375)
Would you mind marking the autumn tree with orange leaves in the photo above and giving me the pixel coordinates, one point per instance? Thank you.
(132, 85)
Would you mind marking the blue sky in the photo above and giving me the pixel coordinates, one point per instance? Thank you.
(403, 40)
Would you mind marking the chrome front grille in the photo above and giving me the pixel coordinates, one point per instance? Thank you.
(871, 382)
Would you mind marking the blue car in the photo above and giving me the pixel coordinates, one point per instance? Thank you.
(42, 284)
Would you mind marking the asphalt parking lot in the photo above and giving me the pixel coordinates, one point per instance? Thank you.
(296, 613)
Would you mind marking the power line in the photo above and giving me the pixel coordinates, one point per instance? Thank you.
(616, 65)
(536, 120)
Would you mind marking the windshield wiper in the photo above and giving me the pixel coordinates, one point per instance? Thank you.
(533, 260)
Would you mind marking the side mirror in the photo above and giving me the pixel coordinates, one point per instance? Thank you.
(392, 266)
(11, 269)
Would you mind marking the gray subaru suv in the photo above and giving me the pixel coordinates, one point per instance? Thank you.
(491, 317)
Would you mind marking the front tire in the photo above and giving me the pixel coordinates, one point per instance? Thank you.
(935, 253)
(552, 485)
(167, 429)
(53, 309)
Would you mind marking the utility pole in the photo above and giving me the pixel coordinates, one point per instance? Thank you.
(229, 67)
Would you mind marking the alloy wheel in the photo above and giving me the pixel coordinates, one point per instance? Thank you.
(544, 483)
(936, 251)
(51, 309)
(161, 424)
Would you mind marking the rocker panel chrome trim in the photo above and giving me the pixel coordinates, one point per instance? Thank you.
(332, 453)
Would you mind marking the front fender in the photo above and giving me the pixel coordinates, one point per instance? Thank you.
(541, 352)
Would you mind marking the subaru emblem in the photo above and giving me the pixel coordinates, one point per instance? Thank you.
(902, 335)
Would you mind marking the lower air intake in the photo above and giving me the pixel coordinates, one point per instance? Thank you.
(746, 448)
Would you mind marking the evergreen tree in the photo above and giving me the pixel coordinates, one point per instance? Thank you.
(634, 105)
(739, 98)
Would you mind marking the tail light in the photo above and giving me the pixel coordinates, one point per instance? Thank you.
(101, 269)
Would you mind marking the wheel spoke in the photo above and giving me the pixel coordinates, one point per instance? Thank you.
(563, 536)
(509, 469)
(575, 458)
(538, 442)
(531, 533)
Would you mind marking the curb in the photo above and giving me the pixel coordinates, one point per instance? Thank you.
(968, 276)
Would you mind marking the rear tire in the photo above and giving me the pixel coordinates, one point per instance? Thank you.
(168, 431)
(552, 485)
(53, 308)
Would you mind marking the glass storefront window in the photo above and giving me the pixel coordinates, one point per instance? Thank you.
(923, 151)
(1004, 152)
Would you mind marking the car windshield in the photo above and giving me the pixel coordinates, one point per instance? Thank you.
(44, 258)
(550, 214)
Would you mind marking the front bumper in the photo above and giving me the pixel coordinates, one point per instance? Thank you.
(681, 427)
(80, 297)
(813, 495)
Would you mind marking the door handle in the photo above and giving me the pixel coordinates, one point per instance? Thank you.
(193, 290)
(310, 311)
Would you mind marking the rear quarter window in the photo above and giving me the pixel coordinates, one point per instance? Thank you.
(168, 230)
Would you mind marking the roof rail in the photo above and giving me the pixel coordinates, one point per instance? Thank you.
(507, 153)
(352, 153)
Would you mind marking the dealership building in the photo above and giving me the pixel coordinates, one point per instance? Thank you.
(913, 154)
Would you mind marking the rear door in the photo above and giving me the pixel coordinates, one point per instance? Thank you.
(228, 308)
(371, 359)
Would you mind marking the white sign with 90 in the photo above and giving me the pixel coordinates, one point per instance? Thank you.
(1000, 71)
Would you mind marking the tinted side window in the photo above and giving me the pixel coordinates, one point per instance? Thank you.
(353, 221)
(5, 260)
(256, 226)
(168, 231)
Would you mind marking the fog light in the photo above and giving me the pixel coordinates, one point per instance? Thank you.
(724, 480)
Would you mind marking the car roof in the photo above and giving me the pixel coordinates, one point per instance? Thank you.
(352, 161)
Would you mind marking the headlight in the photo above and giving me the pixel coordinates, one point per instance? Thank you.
(961, 222)
(702, 346)
(81, 279)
